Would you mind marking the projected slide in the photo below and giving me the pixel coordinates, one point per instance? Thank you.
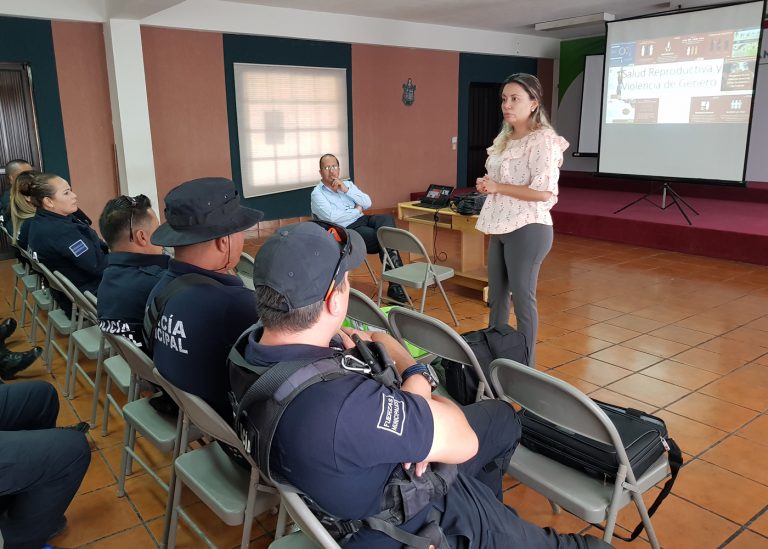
(701, 78)
(678, 92)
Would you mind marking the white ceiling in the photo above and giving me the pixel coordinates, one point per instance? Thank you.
(511, 16)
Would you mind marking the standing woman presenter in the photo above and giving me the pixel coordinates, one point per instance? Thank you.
(523, 167)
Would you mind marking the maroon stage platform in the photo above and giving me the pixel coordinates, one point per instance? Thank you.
(732, 221)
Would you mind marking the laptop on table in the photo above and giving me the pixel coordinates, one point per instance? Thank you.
(438, 196)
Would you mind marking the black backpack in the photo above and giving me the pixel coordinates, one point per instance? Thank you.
(500, 341)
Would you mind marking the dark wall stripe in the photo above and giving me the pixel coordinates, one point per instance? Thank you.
(281, 51)
(30, 41)
(481, 68)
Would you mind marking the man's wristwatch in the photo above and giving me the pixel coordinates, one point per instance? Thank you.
(425, 370)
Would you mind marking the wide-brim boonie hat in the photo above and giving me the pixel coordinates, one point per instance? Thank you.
(300, 260)
(201, 210)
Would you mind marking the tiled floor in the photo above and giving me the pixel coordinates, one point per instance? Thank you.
(684, 337)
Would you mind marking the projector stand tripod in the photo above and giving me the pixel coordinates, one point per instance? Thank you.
(675, 199)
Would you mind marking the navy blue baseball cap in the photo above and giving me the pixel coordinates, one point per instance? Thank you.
(303, 262)
(201, 210)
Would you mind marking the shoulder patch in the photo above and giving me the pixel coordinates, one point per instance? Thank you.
(392, 415)
(78, 248)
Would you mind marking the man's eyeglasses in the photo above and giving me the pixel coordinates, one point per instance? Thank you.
(131, 202)
(340, 234)
(329, 168)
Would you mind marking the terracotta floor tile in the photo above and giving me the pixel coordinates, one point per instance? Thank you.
(549, 356)
(580, 384)
(681, 374)
(624, 357)
(611, 397)
(567, 321)
(714, 326)
(547, 331)
(648, 389)
(663, 313)
(609, 332)
(741, 456)
(680, 524)
(750, 335)
(707, 360)
(761, 524)
(636, 323)
(115, 515)
(640, 543)
(99, 475)
(712, 411)
(748, 540)
(655, 346)
(535, 508)
(137, 537)
(681, 335)
(720, 491)
(594, 371)
(579, 343)
(759, 324)
(734, 348)
(692, 437)
(747, 386)
(756, 430)
(594, 312)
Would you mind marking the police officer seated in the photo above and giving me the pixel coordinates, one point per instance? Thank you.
(197, 309)
(42, 466)
(61, 238)
(134, 265)
(347, 440)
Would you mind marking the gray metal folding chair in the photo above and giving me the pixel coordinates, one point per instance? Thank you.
(363, 310)
(233, 493)
(59, 322)
(418, 274)
(438, 338)
(30, 281)
(591, 499)
(88, 340)
(312, 534)
(244, 269)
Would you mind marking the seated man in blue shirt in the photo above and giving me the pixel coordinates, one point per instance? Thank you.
(134, 265)
(196, 323)
(341, 202)
(346, 441)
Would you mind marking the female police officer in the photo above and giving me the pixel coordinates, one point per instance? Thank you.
(61, 240)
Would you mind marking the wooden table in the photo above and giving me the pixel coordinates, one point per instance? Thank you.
(467, 246)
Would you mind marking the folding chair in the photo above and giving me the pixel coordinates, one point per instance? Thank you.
(30, 281)
(86, 339)
(58, 320)
(312, 534)
(42, 300)
(419, 274)
(591, 499)
(228, 489)
(438, 338)
(363, 310)
(244, 269)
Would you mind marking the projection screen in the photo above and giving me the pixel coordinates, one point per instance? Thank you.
(677, 94)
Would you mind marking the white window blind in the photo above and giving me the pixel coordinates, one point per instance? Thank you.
(287, 117)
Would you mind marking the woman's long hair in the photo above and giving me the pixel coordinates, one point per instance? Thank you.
(21, 204)
(538, 118)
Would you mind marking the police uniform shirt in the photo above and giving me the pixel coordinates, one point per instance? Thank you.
(340, 440)
(196, 330)
(65, 243)
(125, 286)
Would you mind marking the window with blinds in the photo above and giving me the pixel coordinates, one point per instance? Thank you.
(287, 117)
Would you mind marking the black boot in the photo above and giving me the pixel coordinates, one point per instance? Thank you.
(394, 255)
(7, 327)
(12, 363)
(396, 292)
